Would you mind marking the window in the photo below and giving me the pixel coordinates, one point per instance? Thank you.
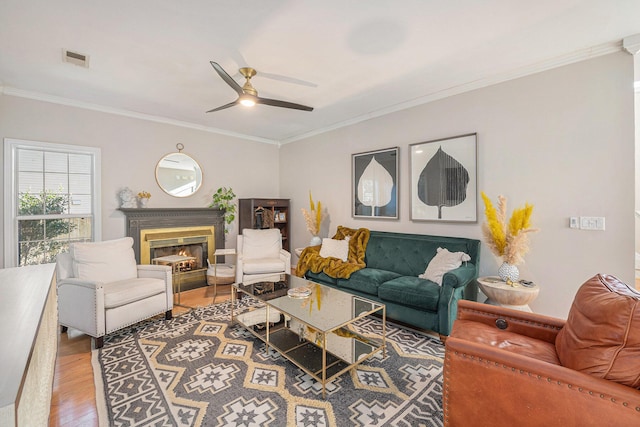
(51, 199)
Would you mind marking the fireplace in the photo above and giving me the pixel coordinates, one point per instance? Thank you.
(195, 242)
(195, 232)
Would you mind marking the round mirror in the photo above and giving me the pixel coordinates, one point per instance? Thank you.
(178, 175)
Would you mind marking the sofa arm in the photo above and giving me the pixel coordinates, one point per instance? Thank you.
(457, 284)
(520, 322)
(487, 386)
(460, 276)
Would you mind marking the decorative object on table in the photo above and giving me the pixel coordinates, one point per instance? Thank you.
(444, 179)
(143, 198)
(299, 292)
(178, 174)
(375, 184)
(127, 198)
(313, 217)
(507, 240)
(223, 199)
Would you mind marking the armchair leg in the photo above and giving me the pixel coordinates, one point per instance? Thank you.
(99, 342)
(168, 315)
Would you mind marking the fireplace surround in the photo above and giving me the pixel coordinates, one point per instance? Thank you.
(158, 231)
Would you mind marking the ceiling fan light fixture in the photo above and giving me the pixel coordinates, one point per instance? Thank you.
(247, 101)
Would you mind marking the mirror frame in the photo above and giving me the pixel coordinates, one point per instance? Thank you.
(163, 184)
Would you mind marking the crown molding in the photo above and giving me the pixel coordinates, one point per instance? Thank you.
(38, 96)
(559, 61)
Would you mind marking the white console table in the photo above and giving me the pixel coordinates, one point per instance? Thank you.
(29, 337)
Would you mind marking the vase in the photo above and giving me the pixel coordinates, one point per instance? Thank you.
(508, 272)
(315, 241)
(143, 202)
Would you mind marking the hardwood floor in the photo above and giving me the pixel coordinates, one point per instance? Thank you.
(73, 402)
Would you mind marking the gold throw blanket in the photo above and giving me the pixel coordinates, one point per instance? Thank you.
(310, 258)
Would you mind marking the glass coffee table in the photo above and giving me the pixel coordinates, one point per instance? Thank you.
(311, 324)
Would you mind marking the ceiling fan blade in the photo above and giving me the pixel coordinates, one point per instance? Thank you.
(287, 79)
(231, 104)
(283, 104)
(227, 78)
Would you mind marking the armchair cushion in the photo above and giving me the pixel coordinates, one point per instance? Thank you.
(131, 290)
(264, 265)
(108, 261)
(264, 243)
(602, 334)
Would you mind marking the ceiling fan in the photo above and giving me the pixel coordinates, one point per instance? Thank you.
(247, 95)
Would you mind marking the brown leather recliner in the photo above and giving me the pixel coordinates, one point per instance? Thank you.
(510, 368)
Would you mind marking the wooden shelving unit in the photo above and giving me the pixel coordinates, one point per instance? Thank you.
(279, 208)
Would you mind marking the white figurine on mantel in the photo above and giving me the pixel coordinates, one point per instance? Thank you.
(127, 198)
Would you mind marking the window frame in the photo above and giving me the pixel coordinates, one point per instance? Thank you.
(11, 146)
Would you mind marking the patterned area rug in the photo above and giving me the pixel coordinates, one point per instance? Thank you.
(200, 370)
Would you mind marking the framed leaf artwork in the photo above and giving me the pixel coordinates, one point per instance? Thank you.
(375, 184)
(444, 179)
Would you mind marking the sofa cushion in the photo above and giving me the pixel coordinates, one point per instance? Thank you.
(412, 292)
(107, 261)
(443, 262)
(601, 336)
(367, 280)
(261, 243)
(124, 292)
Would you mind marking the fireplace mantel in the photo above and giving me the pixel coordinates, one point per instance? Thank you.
(143, 218)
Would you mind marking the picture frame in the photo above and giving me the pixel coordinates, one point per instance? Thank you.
(374, 184)
(282, 217)
(444, 179)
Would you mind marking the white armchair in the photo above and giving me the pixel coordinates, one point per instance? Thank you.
(101, 289)
(260, 255)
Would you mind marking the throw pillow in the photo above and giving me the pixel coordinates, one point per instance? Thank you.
(601, 336)
(335, 248)
(443, 262)
(107, 261)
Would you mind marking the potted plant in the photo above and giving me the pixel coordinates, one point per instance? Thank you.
(224, 199)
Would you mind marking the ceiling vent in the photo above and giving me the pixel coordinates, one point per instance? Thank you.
(75, 58)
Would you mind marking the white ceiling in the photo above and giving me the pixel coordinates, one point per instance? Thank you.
(350, 60)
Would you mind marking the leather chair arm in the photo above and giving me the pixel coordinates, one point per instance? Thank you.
(526, 392)
(520, 322)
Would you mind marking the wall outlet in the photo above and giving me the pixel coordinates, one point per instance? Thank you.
(574, 222)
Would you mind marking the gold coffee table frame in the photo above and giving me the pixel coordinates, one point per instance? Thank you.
(316, 333)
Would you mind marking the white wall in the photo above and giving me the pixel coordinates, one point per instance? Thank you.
(562, 140)
(130, 150)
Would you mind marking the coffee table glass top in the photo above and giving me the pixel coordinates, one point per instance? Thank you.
(325, 308)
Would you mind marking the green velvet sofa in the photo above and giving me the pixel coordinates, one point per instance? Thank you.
(393, 263)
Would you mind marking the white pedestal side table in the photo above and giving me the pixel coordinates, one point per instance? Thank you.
(174, 261)
(500, 293)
